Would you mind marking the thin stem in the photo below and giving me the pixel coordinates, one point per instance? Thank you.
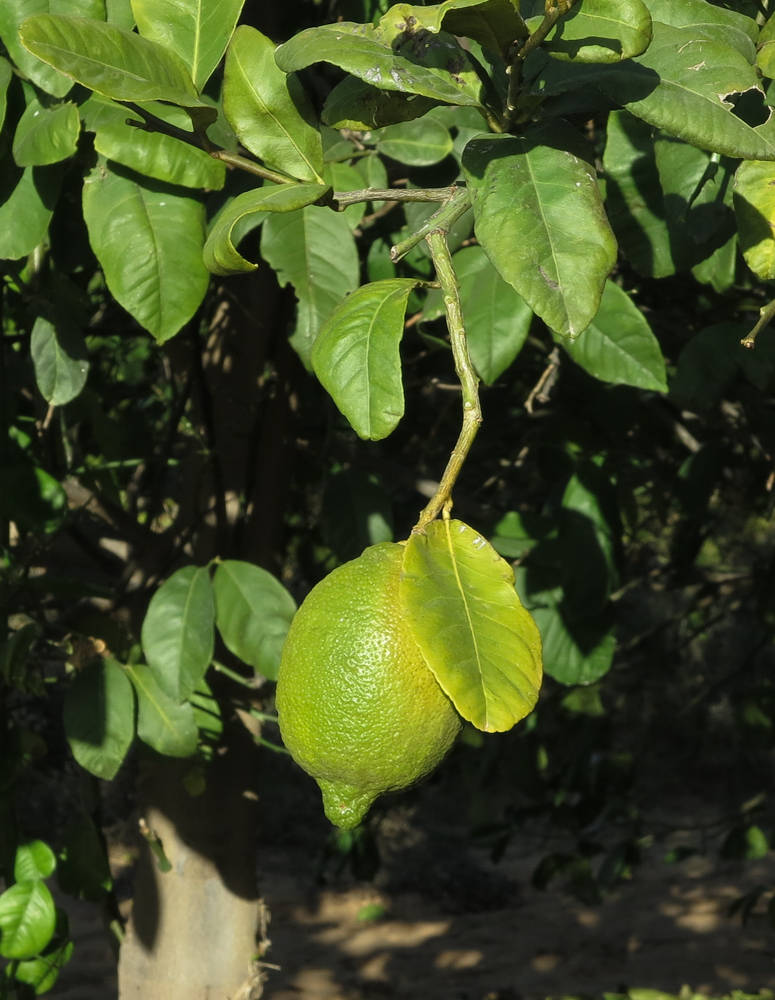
(152, 123)
(248, 682)
(555, 9)
(458, 202)
(766, 315)
(472, 413)
(345, 198)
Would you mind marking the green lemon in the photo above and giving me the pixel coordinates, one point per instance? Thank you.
(359, 708)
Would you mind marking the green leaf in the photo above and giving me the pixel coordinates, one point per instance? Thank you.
(389, 57)
(148, 239)
(495, 24)
(463, 611)
(298, 247)
(84, 871)
(31, 497)
(220, 254)
(634, 195)
(588, 530)
(119, 12)
(355, 513)
(41, 973)
(99, 717)
(13, 12)
(575, 651)
(198, 32)
(356, 356)
(546, 173)
(357, 105)
(6, 75)
(714, 22)
(27, 919)
(743, 841)
(343, 177)
(160, 156)
(419, 143)
(755, 210)
(765, 54)
(253, 613)
(619, 346)
(269, 111)
(682, 84)
(707, 365)
(114, 62)
(34, 859)
(207, 713)
(46, 135)
(178, 631)
(166, 726)
(60, 359)
(597, 31)
(497, 319)
(27, 200)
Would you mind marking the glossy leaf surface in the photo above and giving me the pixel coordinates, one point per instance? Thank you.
(618, 346)
(356, 356)
(269, 110)
(46, 135)
(463, 611)
(99, 717)
(41, 973)
(14, 12)
(60, 359)
(151, 153)
(148, 239)
(596, 31)
(298, 246)
(540, 219)
(253, 613)
(166, 726)
(419, 143)
(197, 32)
(220, 254)
(27, 919)
(178, 631)
(114, 62)
(388, 57)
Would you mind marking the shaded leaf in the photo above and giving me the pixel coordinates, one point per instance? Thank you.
(356, 356)
(114, 62)
(463, 611)
(148, 239)
(754, 200)
(619, 346)
(220, 254)
(269, 110)
(83, 870)
(27, 200)
(253, 613)
(169, 728)
(298, 246)
(31, 497)
(558, 270)
(27, 919)
(60, 359)
(419, 143)
(160, 156)
(46, 135)
(42, 973)
(178, 631)
(356, 513)
(390, 57)
(198, 32)
(597, 31)
(99, 717)
(6, 75)
(357, 105)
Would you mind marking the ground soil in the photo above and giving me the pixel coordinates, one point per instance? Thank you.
(458, 927)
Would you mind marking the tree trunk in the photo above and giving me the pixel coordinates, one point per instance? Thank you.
(192, 934)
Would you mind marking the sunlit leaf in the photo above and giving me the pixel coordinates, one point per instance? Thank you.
(46, 135)
(166, 726)
(27, 919)
(463, 611)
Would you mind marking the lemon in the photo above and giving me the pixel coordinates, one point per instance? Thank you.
(359, 708)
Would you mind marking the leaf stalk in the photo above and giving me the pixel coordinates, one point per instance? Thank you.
(766, 315)
(457, 203)
(472, 413)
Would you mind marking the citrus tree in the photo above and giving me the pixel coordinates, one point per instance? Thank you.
(484, 180)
